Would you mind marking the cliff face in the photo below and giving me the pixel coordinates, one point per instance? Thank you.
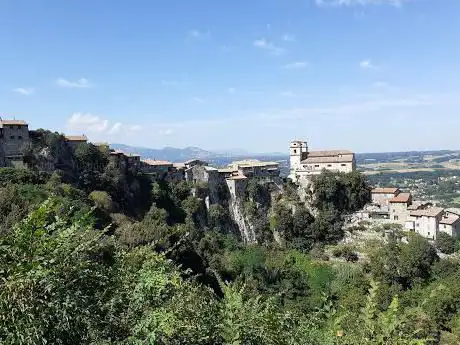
(246, 229)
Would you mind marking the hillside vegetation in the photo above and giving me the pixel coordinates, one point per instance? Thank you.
(91, 253)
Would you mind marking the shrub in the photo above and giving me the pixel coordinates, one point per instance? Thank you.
(445, 243)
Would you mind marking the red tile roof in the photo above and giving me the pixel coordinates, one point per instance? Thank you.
(429, 212)
(449, 220)
(402, 198)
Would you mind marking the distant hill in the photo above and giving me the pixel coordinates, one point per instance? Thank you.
(179, 155)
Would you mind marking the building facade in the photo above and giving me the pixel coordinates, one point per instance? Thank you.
(382, 196)
(14, 139)
(398, 207)
(425, 222)
(304, 163)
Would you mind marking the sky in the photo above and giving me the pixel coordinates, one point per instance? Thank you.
(364, 75)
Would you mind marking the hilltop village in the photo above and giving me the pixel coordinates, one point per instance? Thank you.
(388, 205)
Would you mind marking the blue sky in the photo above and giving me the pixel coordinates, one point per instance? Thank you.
(366, 75)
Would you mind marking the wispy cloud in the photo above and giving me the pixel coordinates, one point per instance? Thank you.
(166, 132)
(199, 35)
(197, 100)
(90, 123)
(289, 38)
(268, 46)
(26, 91)
(296, 65)
(81, 83)
(367, 64)
(337, 3)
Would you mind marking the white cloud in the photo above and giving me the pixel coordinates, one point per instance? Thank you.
(296, 65)
(81, 83)
(27, 91)
(166, 132)
(367, 64)
(199, 35)
(87, 122)
(135, 128)
(289, 38)
(116, 128)
(336, 3)
(197, 99)
(269, 46)
(90, 123)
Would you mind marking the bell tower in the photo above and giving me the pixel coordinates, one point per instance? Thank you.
(296, 153)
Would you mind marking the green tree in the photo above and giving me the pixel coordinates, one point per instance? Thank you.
(445, 243)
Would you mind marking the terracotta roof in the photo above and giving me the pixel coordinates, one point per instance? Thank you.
(76, 138)
(449, 220)
(454, 211)
(331, 153)
(429, 212)
(386, 190)
(157, 163)
(13, 122)
(403, 198)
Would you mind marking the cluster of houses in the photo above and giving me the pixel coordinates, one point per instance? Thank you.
(423, 218)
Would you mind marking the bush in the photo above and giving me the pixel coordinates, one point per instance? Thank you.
(445, 243)
(346, 253)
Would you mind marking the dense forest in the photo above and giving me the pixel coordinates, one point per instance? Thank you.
(94, 253)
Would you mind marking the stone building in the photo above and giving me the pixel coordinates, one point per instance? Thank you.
(74, 140)
(305, 164)
(425, 222)
(237, 186)
(382, 196)
(450, 224)
(253, 168)
(14, 138)
(398, 207)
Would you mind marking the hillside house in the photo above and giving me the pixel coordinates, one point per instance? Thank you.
(305, 164)
(382, 196)
(398, 207)
(14, 138)
(425, 222)
(74, 140)
(450, 224)
(253, 168)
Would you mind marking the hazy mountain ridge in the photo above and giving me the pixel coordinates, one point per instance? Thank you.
(179, 155)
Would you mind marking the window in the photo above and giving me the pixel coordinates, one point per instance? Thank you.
(12, 137)
(394, 211)
(344, 165)
(445, 226)
(295, 151)
(316, 165)
(417, 225)
(329, 165)
(19, 137)
(396, 218)
(428, 233)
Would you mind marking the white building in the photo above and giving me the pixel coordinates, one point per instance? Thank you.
(382, 196)
(450, 224)
(425, 222)
(305, 164)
